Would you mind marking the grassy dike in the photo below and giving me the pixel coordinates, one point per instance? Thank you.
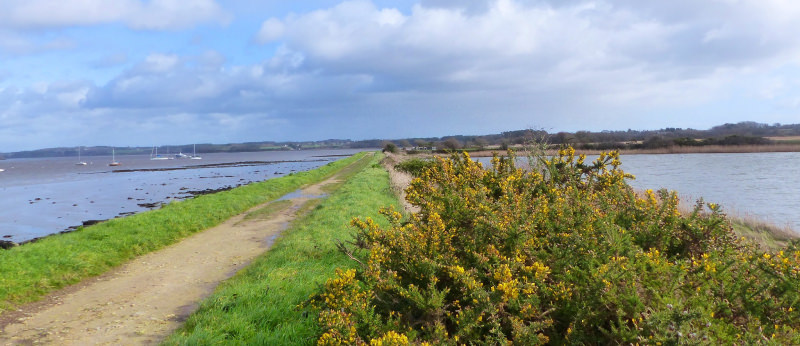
(258, 305)
(30, 271)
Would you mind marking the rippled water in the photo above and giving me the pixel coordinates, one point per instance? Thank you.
(761, 185)
(48, 195)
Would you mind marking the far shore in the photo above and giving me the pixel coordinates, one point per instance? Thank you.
(709, 149)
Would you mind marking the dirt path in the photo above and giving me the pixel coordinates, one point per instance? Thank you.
(143, 301)
(399, 180)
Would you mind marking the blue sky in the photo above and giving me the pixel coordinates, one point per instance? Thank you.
(141, 73)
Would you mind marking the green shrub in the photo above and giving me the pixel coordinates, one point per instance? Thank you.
(415, 166)
(390, 147)
(568, 254)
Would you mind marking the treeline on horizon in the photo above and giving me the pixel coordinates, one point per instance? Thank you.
(742, 133)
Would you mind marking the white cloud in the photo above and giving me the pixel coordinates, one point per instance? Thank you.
(170, 14)
(12, 43)
(138, 14)
(677, 52)
(159, 63)
(271, 29)
(454, 66)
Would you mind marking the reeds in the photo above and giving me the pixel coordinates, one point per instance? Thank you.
(768, 235)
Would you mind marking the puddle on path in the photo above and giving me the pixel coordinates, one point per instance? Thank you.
(300, 194)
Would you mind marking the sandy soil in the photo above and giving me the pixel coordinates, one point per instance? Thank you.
(399, 180)
(143, 301)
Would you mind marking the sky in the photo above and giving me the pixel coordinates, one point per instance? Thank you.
(158, 72)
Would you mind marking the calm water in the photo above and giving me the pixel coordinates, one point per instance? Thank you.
(763, 185)
(48, 195)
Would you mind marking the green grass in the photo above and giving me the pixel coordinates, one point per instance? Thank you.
(258, 305)
(767, 235)
(30, 271)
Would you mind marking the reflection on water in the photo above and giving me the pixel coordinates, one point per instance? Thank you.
(48, 195)
(300, 194)
(763, 185)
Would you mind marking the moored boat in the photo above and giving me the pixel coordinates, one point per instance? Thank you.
(194, 153)
(80, 163)
(155, 156)
(114, 161)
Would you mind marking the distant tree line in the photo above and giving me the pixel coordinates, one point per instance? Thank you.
(742, 133)
(186, 148)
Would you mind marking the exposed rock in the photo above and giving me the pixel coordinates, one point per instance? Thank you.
(149, 205)
(208, 191)
(91, 222)
(7, 244)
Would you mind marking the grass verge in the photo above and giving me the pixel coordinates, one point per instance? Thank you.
(767, 235)
(258, 305)
(30, 271)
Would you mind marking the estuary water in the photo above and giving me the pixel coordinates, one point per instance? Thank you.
(43, 196)
(761, 185)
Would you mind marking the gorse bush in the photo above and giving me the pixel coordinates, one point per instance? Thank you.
(567, 254)
(390, 147)
(415, 166)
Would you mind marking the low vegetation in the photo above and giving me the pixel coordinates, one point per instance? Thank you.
(390, 147)
(29, 271)
(565, 254)
(259, 304)
(415, 166)
(769, 236)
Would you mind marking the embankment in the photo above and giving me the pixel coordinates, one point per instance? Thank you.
(259, 304)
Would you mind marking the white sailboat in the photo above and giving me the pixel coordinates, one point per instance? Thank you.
(194, 153)
(80, 163)
(113, 159)
(156, 156)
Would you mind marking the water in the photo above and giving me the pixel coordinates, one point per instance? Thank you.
(43, 196)
(762, 185)
(299, 194)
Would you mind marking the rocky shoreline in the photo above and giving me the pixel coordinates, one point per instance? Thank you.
(141, 199)
(8, 244)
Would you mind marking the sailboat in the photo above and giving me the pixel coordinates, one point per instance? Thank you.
(194, 153)
(80, 163)
(156, 156)
(113, 159)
